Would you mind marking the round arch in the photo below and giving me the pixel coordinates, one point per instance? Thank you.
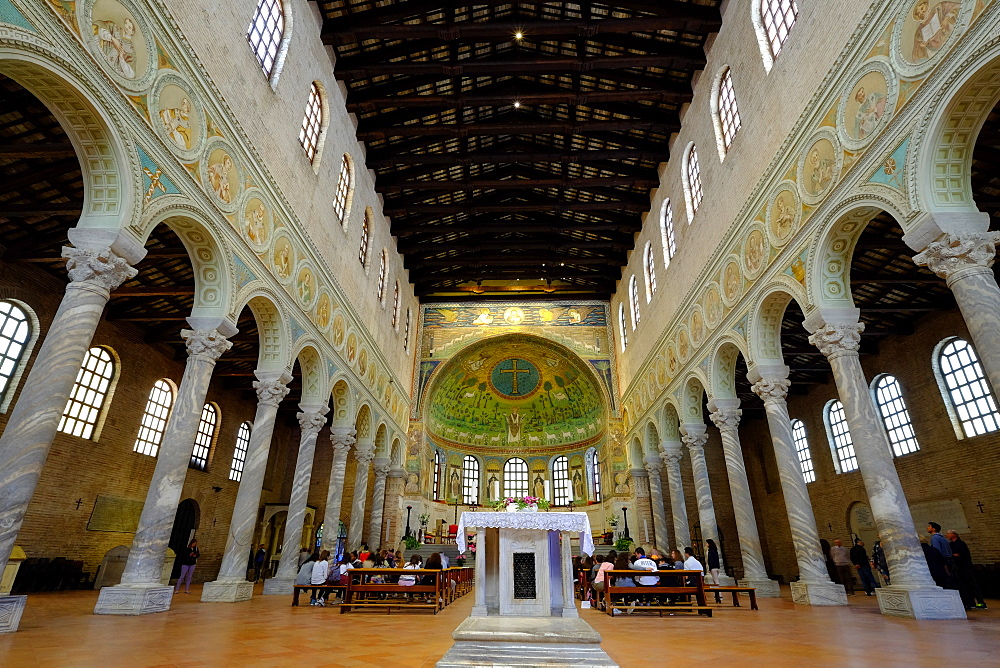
(693, 400)
(723, 367)
(342, 402)
(765, 323)
(272, 327)
(314, 381)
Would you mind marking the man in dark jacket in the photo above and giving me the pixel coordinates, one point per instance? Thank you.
(972, 596)
(859, 557)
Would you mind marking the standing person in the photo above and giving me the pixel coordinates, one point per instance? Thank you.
(878, 558)
(941, 544)
(258, 562)
(842, 560)
(188, 559)
(968, 588)
(859, 557)
(714, 563)
(320, 572)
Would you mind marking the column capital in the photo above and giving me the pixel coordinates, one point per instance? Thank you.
(771, 390)
(381, 468)
(671, 451)
(695, 441)
(103, 267)
(364, 455)
(270, 392)
(954, 254)
(726, 419)
(837, 340)
(311, 422)
(653, 464)
(396, 473)
(207, 343)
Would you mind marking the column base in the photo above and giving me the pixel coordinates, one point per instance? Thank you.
(11, 609)
(764, 588)
(818, 593)
(927, 603)
(724, 580)
(279, 586)
(227, 591)
(137, 599)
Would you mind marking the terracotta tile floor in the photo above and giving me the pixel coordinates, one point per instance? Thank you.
(59, 629)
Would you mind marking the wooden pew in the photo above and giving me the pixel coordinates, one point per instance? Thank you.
(362, 593)
(735, 591)
(665, 587)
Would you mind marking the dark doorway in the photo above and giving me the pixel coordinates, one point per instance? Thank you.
(185, 524)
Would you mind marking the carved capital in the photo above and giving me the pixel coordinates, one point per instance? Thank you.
(381, 470)
(727, 419)
(837, 340)
(952, 253)
(695, 441)
(365, 456)
(205, 343)
(342, 440)
(311, 423)
(101, 267)
(671, 452)
(771, 390)
(270, 392)
(653, 467)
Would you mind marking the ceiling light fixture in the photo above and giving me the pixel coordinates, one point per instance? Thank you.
(517, 105)
(519, 35)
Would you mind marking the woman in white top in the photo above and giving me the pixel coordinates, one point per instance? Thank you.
(320, 571)
(414, 565)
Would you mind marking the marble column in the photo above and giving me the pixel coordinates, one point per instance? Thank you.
(381, 468)
(814, 586)
(393, 510)
(965, 262)
(913, 593)
(479, 608)
(566, 571)
(363, 454)
(34, 419)
(311, 420)
(694, 437)
(672, 454)
(341, 439)
(140, 591)
(232, 585)
(727, 420)
(653, 467)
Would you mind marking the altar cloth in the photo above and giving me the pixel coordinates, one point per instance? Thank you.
(541, 521)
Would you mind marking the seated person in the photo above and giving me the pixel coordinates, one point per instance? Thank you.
(644, 563)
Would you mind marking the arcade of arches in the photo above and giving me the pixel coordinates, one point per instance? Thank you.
(310, 275)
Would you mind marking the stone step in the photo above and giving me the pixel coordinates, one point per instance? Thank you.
(524, 655)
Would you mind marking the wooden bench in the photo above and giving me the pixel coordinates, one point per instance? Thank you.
(362, 593)
(697, 590)
(326, 589)
(735, 591)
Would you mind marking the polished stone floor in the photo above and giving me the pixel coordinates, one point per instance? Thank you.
(58, 629)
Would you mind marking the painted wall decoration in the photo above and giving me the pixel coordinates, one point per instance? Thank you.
(178, 118)
(256, 222)
(926, 29)
(223, 175)
(820, 167)
(784, 215)
(867, 106)
(119, 40)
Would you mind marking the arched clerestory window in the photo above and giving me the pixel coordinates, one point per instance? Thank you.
(16, 336)
(667, 239)
(240, 453)
(342, 195)
(839, 434)
(773, 21)
(205, 437)
(515, 477)
(622, 329)
(633, 301)
(436, 491)
(154, 418)
(888, 396)
(966, 393)
(596, 468)
(365, 239)
(470, 480)
(395, 305)
(802, 451)
(726, 113)
(693, 192)
(562, 489)
(649, 270)
(88, 398)
(312, 123)
(380, 290)
(265, 34)
(406, 330)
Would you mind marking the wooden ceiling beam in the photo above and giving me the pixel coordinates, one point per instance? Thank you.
(527, 260)
(513, 157)
(916, 278)
(156, 291)
(702, 19)
(477, 244)
(568, 183)
(554, 206)
(514, 127)
(40, 209)
(533, 226)
(676, 95)
(39, 150)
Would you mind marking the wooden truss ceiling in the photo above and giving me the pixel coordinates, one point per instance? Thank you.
(551, 192)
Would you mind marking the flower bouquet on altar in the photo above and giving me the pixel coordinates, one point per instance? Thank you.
(517, 504)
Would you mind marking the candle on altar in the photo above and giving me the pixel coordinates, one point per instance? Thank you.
(548, 489)
(645, 529)
(496, 490)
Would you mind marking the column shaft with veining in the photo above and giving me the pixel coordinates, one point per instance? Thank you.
(341, 439)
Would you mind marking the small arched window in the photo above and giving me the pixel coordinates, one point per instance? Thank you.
(963, 385)
(633, 301)
(693, 192)
(15, 334)
(839, 434)
(667, 233)
(406, 330)
(380, 290)
(395, 304)
(649, 266)
(888, 396)
(437, 476)
(562, 489)
(154, 418)
(87, 399)
(265, 33)
(773, 21)
(515, 477)
(470, 480)
(365, 237)
(727, 113)
(623, 331)
(205, 437)
(342, 196)
(597, 478)
(240, 453)
(312, 123)
(802, 450)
